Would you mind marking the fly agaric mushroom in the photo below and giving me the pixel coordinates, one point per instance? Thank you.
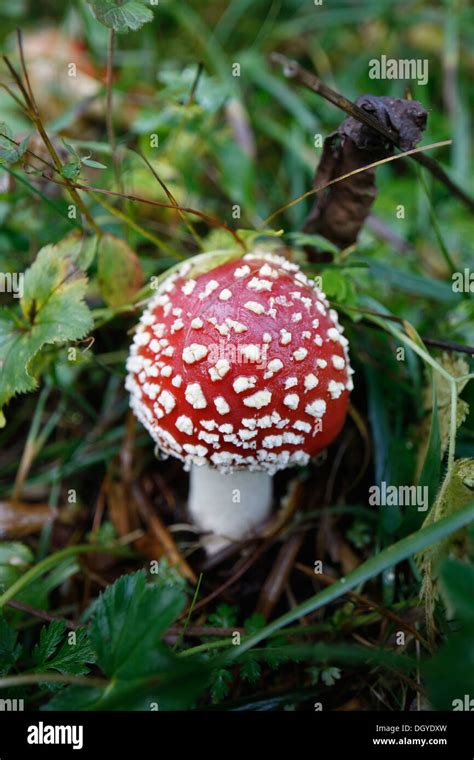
(240, 371)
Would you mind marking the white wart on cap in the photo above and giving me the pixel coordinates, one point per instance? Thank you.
(243, 367)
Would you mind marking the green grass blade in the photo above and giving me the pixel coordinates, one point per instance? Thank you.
(389, 557)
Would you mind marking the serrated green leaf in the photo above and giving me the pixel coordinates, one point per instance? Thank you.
(255, 622)
(329, 676)
(128, 16)
(73, 657)
(62, 652)
(221, 682)
(250, 671)
(50, 636)
(129, 620)
(53, 310)
(225, 616)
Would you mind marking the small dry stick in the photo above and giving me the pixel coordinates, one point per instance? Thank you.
(34, 114)
(205, 217)
(109, 108)
(293, 70)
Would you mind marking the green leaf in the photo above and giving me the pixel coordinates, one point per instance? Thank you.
(14, 560)
(250, 671)
(53, 311)
(120, 274)
(225, 616)
(50, 636)
(9, 649)
(122, 17)
(221, 683)
(70, 149)
(129, 620)
(339, 286)
(16, 554)
(10, 152)
(73, 656)
(255, 622)
(71, 170)
(93, 164)
(318, 241)
(172, 685)
(329, 676)
(457, 584)
(450, 673)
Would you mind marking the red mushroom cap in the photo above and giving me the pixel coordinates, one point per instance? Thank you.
(244, 366)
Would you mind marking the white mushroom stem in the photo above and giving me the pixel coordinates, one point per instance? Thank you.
(228, 507)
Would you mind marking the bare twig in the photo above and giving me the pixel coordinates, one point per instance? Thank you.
(42, 614)
(160, 531)
(205, 217)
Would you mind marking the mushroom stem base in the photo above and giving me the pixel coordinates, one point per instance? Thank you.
(228, 507)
